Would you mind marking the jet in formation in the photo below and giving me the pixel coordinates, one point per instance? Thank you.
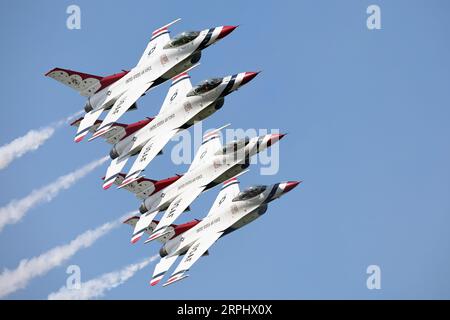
(212, 165)
(231, 210)
(162, 59)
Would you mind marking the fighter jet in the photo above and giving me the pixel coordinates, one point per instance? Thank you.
(212, 164)
(182, 107)
(231, 210)
(162, 59)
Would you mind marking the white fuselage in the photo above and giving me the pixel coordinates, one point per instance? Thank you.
(229, 218)
(217, 169)
(177, 117)
(167, 63)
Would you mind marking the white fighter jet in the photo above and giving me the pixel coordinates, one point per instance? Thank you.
(231, 210)
(183, 106)
(212, 164)
(163, 59)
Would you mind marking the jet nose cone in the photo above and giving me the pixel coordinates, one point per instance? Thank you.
(290, 185)
(275, 138)
(226, 30)
(248, 76)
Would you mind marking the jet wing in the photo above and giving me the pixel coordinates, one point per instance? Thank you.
(144, 224)
(147, 154)
(192, 255)
(210, 145)
(125, 102)
(159, 38)
(176, 208)
(229, 190)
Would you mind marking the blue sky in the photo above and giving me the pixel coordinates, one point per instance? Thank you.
(367, 114)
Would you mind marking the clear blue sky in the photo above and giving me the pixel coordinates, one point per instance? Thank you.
(368, 117)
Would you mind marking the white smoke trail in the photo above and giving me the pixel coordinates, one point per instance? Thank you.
(28, 269)
(97, 287)
(16, 209)
(31, 141)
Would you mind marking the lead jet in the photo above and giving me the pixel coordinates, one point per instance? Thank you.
(162, 59)
(212, 164)
(231, 210)
(183, 106)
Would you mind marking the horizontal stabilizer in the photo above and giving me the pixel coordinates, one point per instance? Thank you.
(161, 268)
(113, 172)
(175, 278)
(142, 225)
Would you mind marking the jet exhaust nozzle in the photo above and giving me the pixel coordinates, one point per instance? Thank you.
(88, 107)
(143, 208)
(162, 252)
(113, 153)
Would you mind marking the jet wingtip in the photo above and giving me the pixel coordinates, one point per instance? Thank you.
(135, 239)
(129, 219)
(107, 186)
(50, 71)
(78, 139)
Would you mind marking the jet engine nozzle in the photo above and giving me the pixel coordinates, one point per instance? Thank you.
(163, 252)
(143, 208)
(88, 107)
(113, 153)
